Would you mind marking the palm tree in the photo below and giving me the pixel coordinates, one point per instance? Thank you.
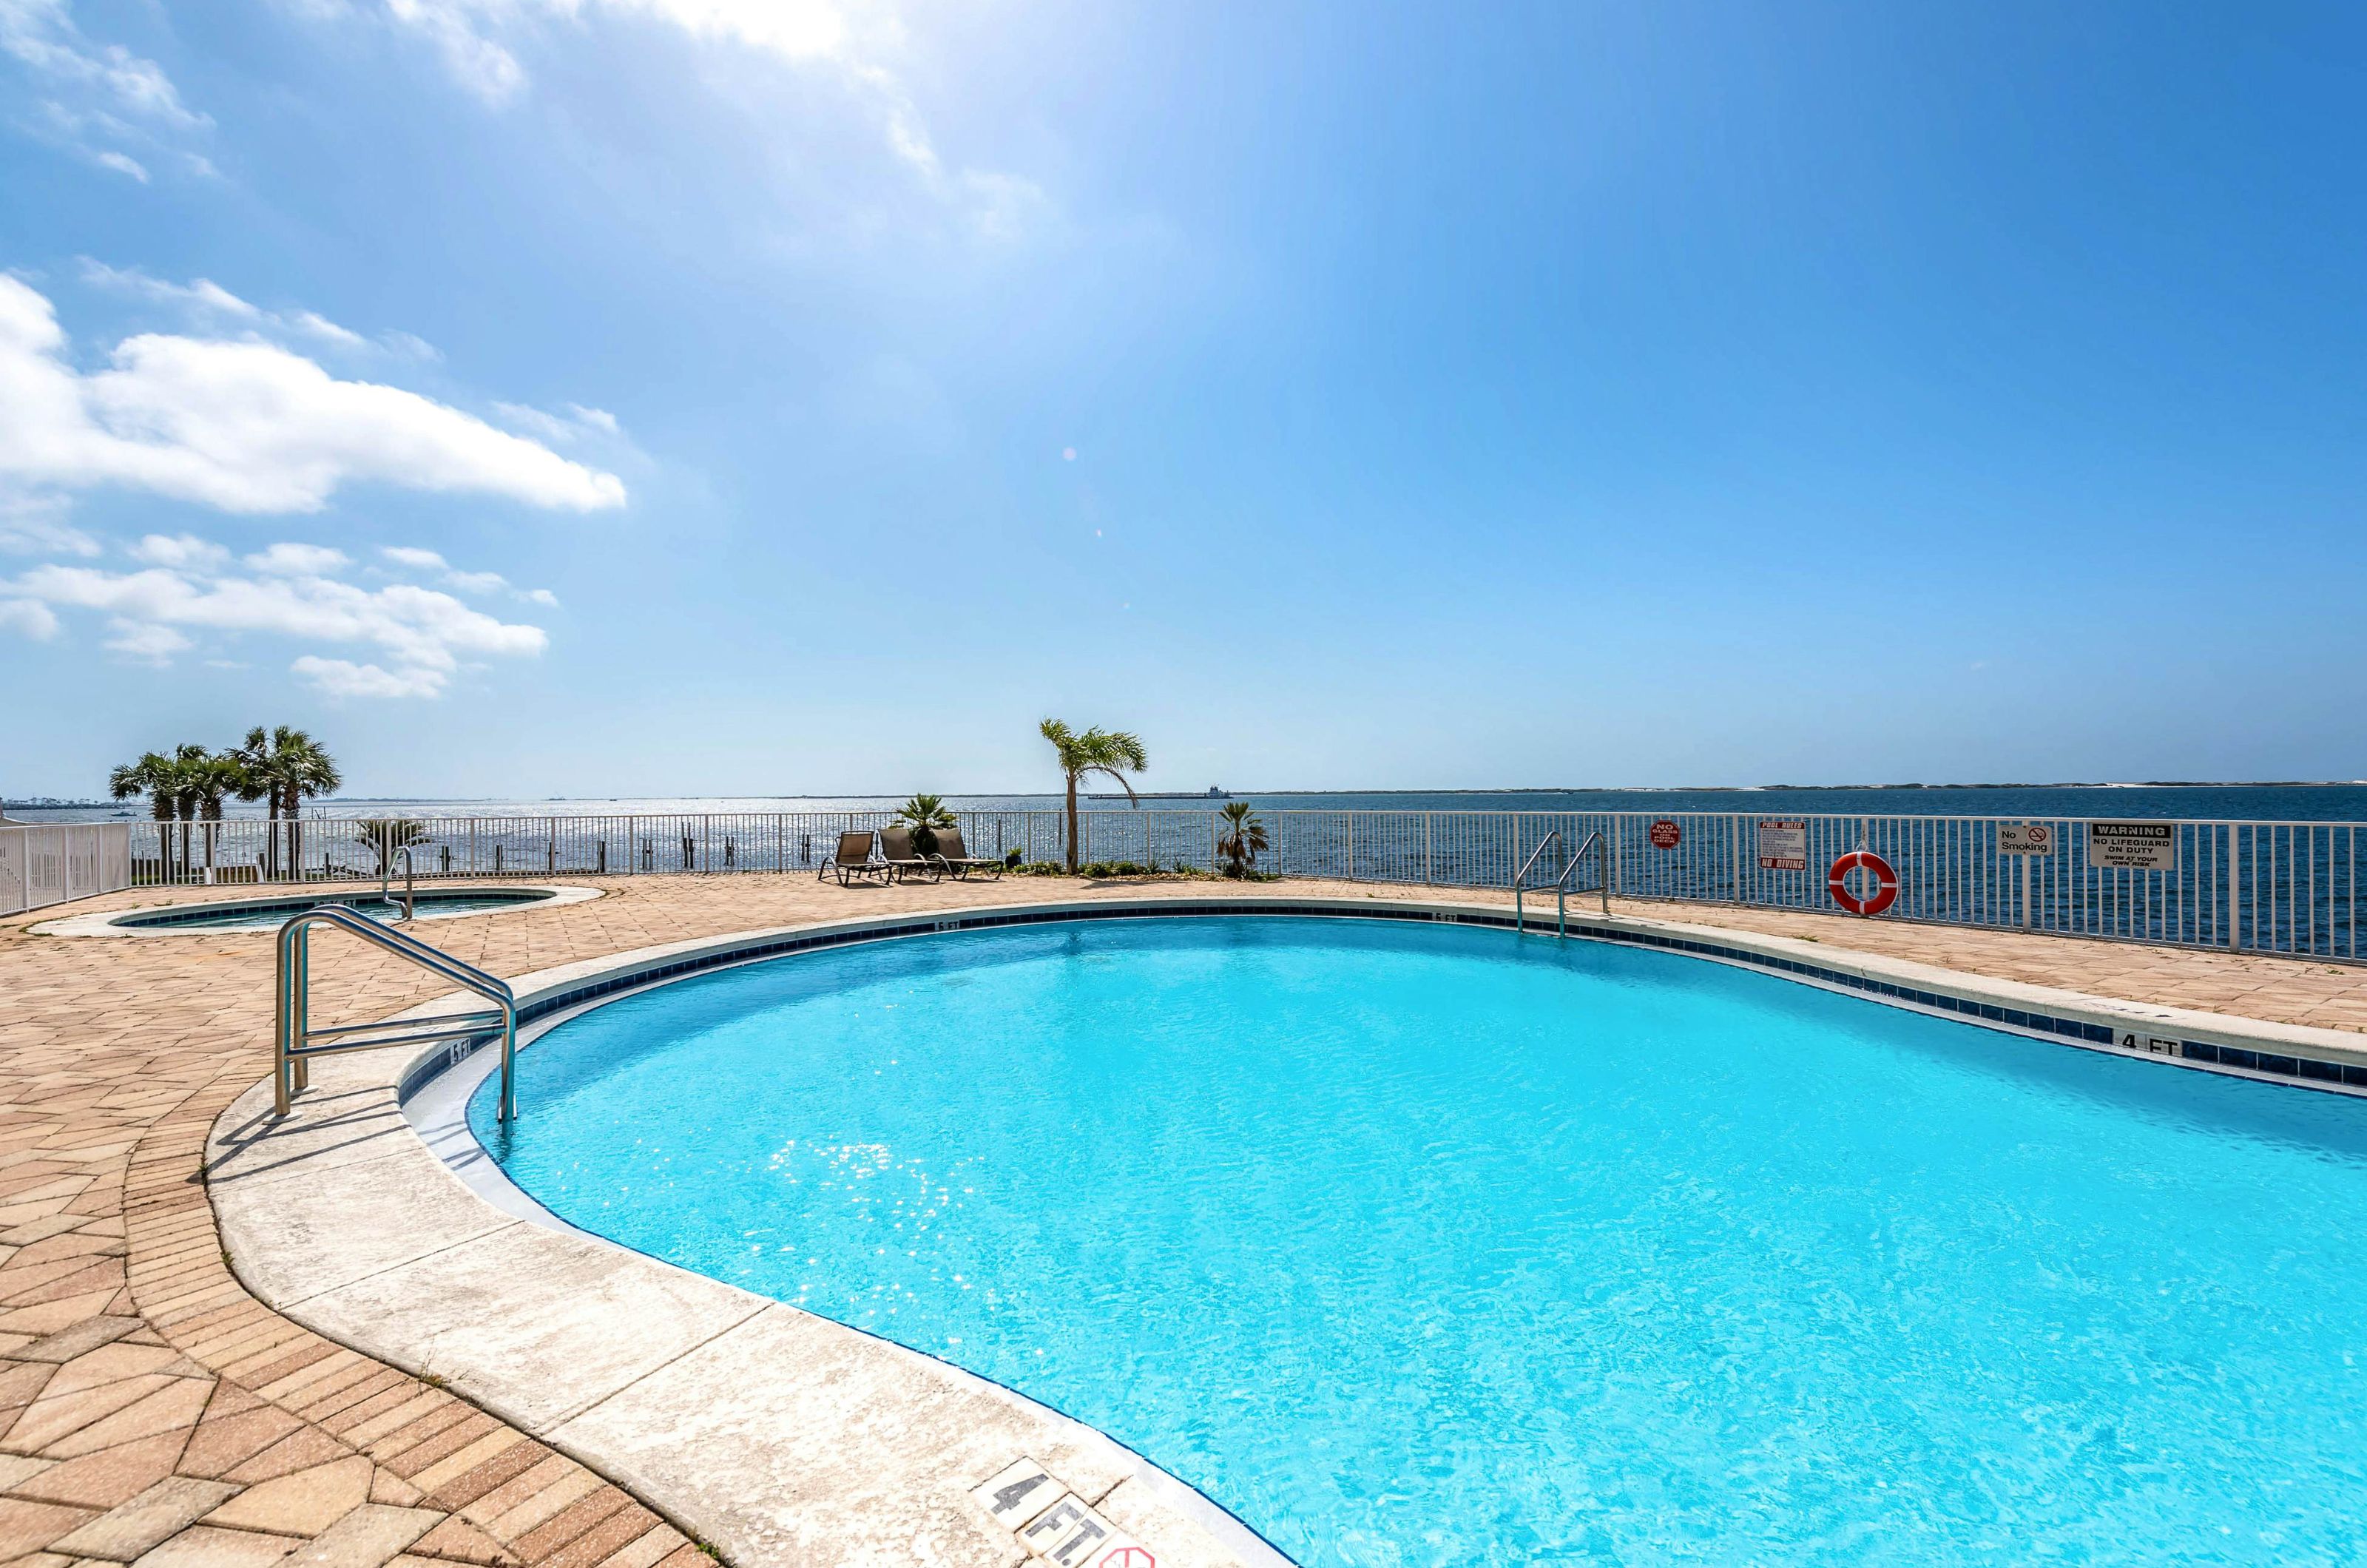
(162, 779)
(208, 778)
(1241, 847)
(1113, 753)
(385, 835)
(284, 766)
(925, 813)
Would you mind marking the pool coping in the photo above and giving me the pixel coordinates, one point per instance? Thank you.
(784, 1437)
(103, 923)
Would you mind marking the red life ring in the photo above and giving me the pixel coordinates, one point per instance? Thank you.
(1884, 895)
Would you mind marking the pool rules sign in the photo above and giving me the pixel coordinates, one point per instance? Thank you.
(1783, 844)
(2133, 846)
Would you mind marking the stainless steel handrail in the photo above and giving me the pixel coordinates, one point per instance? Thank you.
(1521, 877)
(295, 1042)
(386, 874)
(1561, 883)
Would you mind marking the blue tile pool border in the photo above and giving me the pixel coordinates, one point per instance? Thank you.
(2305, 1071)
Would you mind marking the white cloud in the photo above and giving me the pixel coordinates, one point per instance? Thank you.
(421, 636)
(100, 97)
(209, 304)
(465, 32)
(33, 524)
(298, 560)
(246, 426)
(41, 35)
(467, 581)
(562, 429)
(179, 550)
(402, 346)
(342, 678)
(327, 331)
(148, 644)
(31, 619)
(200, 296)
(854, 39)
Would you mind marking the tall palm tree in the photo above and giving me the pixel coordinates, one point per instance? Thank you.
(1112, 752)
(1241, 847)
(284, 766)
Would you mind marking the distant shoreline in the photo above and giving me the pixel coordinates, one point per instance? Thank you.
(48, 803)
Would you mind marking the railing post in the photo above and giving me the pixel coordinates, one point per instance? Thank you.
(2234, 880)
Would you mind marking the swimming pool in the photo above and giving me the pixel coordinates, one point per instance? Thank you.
(270, 914)
(1419, 1244)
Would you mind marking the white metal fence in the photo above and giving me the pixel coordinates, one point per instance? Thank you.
(51, 862)
(2285, 887)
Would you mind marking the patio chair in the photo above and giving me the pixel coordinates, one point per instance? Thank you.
(903, 860)
(958, 857)
(853, 857)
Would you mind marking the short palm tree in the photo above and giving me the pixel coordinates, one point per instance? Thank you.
(1112, 752)
(1241, 847)
(175, 783)
(161, 780)
(155, 775)
(924, 814)
(383, 836)
(210, 778)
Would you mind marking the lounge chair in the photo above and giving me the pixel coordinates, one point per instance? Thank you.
(958, 857)
(853, 857)
(902, 860)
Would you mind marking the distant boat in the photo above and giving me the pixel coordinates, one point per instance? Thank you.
(1216, 794)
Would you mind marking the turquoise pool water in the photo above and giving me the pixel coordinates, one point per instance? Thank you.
(263, 915)
(1425, 1245)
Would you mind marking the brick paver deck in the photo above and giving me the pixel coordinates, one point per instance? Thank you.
(152, 1412)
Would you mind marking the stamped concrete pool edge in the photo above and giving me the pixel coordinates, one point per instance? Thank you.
(780, 1435)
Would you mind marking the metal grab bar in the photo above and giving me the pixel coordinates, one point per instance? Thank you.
(386, 872)
(294, 1040)
(1561, 883)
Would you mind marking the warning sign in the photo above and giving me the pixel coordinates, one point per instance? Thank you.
(2133, 846)
(1666, 835)
(2025, 839)
(1782, 845)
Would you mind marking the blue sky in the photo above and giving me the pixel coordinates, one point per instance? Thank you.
(715, 396)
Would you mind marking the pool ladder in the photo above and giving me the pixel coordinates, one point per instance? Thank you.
(295, 1042)
(1560, 885)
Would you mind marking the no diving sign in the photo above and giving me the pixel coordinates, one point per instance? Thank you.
(2133, 846)
(1783, 844)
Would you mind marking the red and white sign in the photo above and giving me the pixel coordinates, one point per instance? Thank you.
(1128, 1557)
(1783, 844)
(1666, 835)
